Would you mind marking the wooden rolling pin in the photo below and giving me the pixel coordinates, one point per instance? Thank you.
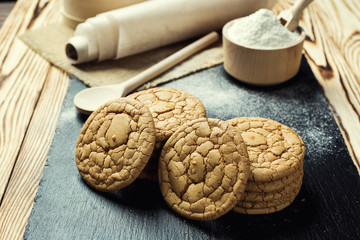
(152, 24)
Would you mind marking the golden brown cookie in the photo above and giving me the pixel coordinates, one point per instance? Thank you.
(203, 169)
(255, 211)
(275, 150)
(269, 202)
(291, 189)
(115, 144)
(274, 185)
(170, 109)
(261, 205)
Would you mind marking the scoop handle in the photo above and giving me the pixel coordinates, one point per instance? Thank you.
(298, 8)
(169, 62)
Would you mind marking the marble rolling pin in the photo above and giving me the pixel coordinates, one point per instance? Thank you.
(152, 24)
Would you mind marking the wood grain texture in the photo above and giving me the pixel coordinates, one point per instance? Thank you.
(332, 49)
(31, 95)
(20, 192)
(5, 8)
(22, 76)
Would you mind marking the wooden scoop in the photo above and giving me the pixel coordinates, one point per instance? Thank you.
(88, 100)
(290, 17)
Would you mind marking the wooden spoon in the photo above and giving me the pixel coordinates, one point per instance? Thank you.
(88, 100)
(290, 17)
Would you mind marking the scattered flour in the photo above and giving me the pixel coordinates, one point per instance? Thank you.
(66, 117)
(261, 30)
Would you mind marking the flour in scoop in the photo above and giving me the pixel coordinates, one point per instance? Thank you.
(261, 30)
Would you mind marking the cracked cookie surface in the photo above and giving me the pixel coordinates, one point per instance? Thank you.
(275, 150)
(170, 109)
(203, 169)
(115, 144)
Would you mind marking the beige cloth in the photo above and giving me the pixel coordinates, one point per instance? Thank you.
(50, 42)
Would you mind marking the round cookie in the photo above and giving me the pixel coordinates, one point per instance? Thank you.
(115, 144)
(170, 109)
(203, 169)
(275, 150)
(274, 185)
(256, 211)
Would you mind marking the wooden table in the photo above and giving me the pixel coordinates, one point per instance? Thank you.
(32, 92)
(5, 8)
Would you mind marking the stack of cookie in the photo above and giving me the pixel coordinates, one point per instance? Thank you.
(276, 155)
(205, 167)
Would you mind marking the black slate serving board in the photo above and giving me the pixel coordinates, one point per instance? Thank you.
(327, 206)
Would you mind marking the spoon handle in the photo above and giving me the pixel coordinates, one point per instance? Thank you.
(168, 62)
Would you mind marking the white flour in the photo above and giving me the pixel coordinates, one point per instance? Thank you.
(261, 30)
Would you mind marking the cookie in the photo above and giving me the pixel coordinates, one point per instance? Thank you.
(203, 169)
(270, 202)
(274, 185)
(170, 109)
(262, 205)
(275, 150)
(268, 210)
(291, 189)
(115, 144)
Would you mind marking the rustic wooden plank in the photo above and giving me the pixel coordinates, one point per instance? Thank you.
(5, 8)
(333, 53)
(20, 193)
(19, 94)
(16, 23)
(334, 28)
(25, 15)
(23, 75)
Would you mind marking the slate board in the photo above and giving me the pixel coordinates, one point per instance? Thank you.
(327, 207)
